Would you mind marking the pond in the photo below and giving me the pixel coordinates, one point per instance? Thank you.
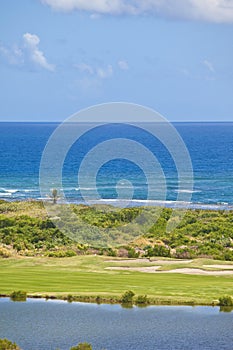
(48, 325)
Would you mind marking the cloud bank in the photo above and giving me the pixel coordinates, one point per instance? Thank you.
(218, 11)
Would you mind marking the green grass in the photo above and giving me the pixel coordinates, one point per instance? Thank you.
(87, 276)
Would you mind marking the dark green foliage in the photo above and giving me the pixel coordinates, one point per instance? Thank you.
(141, 300)
(201, 233)
(158, 250)
(70, 298)
(6, 344)
(108, 252)
(61, 254)
(25, 233)
(132, 253)
(127, 297)
(226, 301)
(82, 346)
(106, 216)
(18, 295)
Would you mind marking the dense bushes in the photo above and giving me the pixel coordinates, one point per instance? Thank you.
(141, 300)
(158, 250)
(25, 228)
(25, 233)
(201, 233)
(127, 297)
(61, 253)
(5, 344)
(226, 301)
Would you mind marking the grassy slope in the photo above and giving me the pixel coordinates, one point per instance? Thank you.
(25, 227)
(86, 276)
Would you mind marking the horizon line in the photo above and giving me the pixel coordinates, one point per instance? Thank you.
(99, 121)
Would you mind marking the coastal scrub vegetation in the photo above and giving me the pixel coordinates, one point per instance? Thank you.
(6, 344)
(25, 229)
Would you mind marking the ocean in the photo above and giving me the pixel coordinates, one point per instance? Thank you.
(210, 146)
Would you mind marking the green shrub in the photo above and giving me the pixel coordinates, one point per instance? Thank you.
(70, 298)
(141, 300)
(6, 344)
(226, 301)
(82, 346)
(127, 297)
(18, 295)
(159, 250)
(61, 254)
(132, 253)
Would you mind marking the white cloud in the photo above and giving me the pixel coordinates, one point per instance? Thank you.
(31, 42)
(104, 73)
(218, 11)
(93, 6)
(123, 65)
(209, 65)
(29, 51)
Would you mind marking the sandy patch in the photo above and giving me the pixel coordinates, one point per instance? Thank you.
(149, 269)
(171, 262)
(145, 260)
(154, 269)
(222, 267)
(199, 272)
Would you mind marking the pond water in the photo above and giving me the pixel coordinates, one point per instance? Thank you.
(49, 325)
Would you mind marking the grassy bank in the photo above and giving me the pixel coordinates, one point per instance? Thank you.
(86, 277)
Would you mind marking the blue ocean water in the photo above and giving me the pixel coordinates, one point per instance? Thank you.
(210, 146)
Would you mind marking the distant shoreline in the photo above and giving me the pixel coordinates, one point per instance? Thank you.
(97, 300)
(119, 203)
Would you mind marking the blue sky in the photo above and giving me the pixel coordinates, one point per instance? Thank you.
(59, 56)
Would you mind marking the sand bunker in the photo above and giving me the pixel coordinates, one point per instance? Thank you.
(145, 260)
(149, 269)
(222, 267)
(193, 271)
(188, 271)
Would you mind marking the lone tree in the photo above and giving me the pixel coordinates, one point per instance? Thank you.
(82, 346)
(54, 195)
